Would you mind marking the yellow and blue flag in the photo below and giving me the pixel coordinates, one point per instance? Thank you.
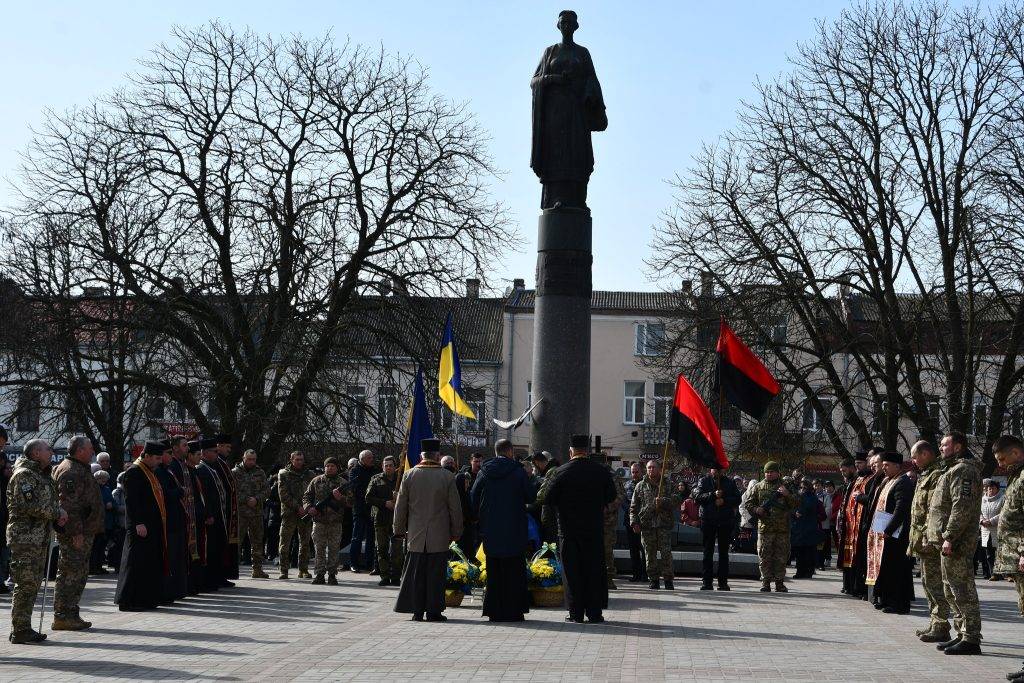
(419, 422)
(449, 375)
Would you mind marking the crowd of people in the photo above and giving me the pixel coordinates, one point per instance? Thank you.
(182, 513)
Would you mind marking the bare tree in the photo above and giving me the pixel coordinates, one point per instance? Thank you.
(244, 193)
(857, 190)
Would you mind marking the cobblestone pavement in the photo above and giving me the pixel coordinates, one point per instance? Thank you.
(272, 630)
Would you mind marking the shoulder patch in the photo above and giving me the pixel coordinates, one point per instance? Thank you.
(966, 487)
(26, 487)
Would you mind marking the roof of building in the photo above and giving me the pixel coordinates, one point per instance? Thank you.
(639, 302)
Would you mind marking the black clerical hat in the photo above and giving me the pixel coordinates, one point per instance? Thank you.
(846, 462)
(860, 455)
(223, 438)
(580, 441)
(430, 445)
(207, 443)
(893, 457)
(195, 446)
(156, 448)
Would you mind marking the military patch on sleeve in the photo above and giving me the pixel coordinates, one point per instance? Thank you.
(26, 492)
(966, 487)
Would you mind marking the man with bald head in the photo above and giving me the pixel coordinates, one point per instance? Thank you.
(931, 467)
(361, 548)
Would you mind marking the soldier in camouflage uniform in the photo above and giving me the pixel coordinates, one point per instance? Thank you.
(79, 495)
(772, 503)
(252, 490)
(327, 496)
(611, 525)
(931, 467)
(292, 482)
(380, 496)
(953, 530)
(653, 517)
(547, 470)
(1009, 452)
(32, 506)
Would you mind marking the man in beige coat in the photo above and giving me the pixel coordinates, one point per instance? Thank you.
(428, 515)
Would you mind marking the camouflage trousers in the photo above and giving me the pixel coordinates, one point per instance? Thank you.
(327, 546)
(931, 581)
(72, 573)
(28, 562)
(655, 541)
(962, 594)
(772, 555)
(1018, 579)
(252, 525)
(291, 525)
(390, 552)
(609, 548)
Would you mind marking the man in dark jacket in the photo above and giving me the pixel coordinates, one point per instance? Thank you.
(498, 500)
(579, 493)
(464, 481)
(894, 585)
(362, 525)
(719, 502)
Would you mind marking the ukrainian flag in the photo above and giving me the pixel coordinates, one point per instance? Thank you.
(419, 423)
(449, 375)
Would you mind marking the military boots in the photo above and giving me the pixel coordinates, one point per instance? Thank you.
(655, 584)
(318, 580)
(258, 573)
(26, 636)
(332, 579)
(935, 634)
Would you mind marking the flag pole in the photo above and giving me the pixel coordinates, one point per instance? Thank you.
(664, 450)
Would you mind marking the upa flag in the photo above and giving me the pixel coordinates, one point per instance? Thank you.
(742, 377)
(449, 375)
(694, 430)
(419, 423)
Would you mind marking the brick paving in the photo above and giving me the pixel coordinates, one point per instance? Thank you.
(273, 630)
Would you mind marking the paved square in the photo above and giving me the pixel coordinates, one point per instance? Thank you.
(272, 630)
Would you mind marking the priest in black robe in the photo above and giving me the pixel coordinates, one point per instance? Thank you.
(895, 583)
(181, 470)
(580, 493)
(230, 503)
(175, 583)
(868, 500)
(216, 518)
(144, 560)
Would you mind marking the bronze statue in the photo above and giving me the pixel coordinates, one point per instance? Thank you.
(567, 106)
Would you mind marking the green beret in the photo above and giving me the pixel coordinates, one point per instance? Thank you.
(772, 466)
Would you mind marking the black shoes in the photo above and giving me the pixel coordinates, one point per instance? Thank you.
(318, 580)
(780, 587)
(723, 586)
(436, 617)
(655, 584)
(575, 620)
(706, 586)
(384, 582)
(418, 616)
(596, 620)
(963, 648)
(27, 637)
(668, 584)
(1016, 676)
(942, 647)
(332, 580)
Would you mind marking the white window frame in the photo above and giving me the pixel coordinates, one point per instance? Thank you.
(817, 420)
(632, 404)
(355, 411)
(980, 403)
(642, 341)
(479, 406)
(387, 405)
(661, 403)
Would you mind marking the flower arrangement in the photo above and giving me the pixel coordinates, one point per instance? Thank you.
(462, 575)
(545, 575)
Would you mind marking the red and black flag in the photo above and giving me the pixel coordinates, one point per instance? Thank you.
(694, 430)
(742, 378)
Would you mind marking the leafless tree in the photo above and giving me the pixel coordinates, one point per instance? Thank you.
(245, 193)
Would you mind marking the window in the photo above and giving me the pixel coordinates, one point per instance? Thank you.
(633, 403)
(212, 410)
(155, 408)
(355, 406)
(29, 409)
(813, 420)
(650, 339)
(180, 411)
(663, 397)
(387, 406)
(779, 329)
(476, 400)
(881, 416)
(441, 418)
(76, 423)
(979, 419)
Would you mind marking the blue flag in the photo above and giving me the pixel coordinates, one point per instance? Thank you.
(419, 422)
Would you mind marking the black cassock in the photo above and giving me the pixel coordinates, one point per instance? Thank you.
(231, 518)
(895, 584)
(580, 492)
(216, 534)
(197, 566)
(142, 561)
(860, 558)
(175, 584)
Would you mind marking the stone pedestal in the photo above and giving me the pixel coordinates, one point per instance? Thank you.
(561, 337)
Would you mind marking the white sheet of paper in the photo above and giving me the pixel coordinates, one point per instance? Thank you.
(881, 521)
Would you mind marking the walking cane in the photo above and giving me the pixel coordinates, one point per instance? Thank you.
(46, 578)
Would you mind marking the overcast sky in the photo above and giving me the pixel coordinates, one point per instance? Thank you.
(673, 75)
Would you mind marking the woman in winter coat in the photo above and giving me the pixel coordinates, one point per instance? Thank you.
(805, 531)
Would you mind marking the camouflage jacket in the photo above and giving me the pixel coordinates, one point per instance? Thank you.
(779, 508)
(611, 511)
(956, 506)
(926, 483)
(548, 514)
(31, 503)
(320, 489)
(291, 486)
(1011, 524)
(80, 496)
(643, 511)
(378, 492)
(250, 484)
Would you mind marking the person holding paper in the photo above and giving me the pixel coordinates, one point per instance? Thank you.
(890, 571)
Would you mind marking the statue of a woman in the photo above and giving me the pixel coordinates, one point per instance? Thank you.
(567, 106)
